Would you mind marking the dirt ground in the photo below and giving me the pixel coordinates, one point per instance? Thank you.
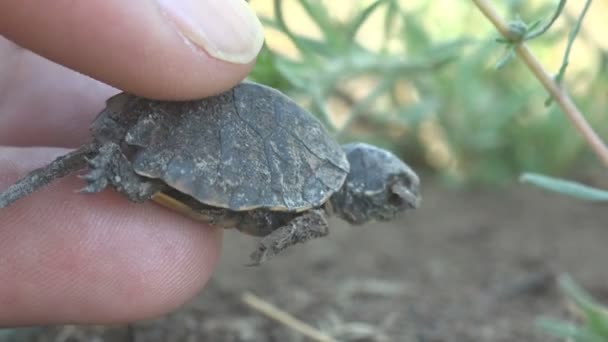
(467, 266)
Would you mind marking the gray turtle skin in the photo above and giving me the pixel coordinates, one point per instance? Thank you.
(249, 158)
(378, 187)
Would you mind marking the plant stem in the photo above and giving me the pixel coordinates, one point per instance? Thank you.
(571, 38)
(558, 93)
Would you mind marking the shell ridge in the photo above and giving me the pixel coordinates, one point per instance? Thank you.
(310, 150)
(268, 151)
(280, 157)
(238, 114)
(220, 156)
(166, 175)
(313, 120)
(321, 179)
(264, 142)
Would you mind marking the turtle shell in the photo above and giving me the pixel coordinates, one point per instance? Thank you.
(250, 147)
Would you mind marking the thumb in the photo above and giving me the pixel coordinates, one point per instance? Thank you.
(165, 49)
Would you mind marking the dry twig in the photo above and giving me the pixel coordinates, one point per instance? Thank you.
(559, 95)
(285, 318)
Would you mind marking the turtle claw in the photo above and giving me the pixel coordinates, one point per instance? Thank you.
(258, 257)
(96, 181)
(96, 178)
(95, 162)
(92, 176)
(254, 263)
(110, 168)
(92, 188)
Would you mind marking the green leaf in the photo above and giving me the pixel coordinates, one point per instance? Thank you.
(567, 330)
(594, 326)
(320, 110)
(576, 293)
(414, 32)
(534, 25)
(363, 105)
(565, 187)
(265, 70)
(281, 25)
(319, 14)
(391, 14)
(571, 37)
(507, 57)
(596, 316)
(360, 19)
(295, 73)
(416, 113)
(536, 31)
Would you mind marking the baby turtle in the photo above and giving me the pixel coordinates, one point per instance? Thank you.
(249, 158)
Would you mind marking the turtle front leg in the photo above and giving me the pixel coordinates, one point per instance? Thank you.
(110, 167)
(311, 225)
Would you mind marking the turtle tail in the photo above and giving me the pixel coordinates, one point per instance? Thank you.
(41, 177)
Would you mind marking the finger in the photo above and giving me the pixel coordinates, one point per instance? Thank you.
(165, 49)
(43, 103)
(71, 258)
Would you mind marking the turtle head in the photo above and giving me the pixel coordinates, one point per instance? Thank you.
(378, 187)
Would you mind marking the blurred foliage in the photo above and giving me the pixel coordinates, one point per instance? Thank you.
(420, 80)
(593, 317)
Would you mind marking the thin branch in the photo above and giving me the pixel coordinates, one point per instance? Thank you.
(285, 318)
(571, 38)
(558, 94)
(544, 28)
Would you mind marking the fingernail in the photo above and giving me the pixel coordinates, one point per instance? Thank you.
(226, 29)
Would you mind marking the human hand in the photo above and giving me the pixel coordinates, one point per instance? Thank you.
(73, 258)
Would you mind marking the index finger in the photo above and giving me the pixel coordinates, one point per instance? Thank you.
(70, 258)
(164, 49)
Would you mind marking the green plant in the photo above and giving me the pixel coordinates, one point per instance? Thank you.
(428, 92)
(329, 63)
(594, 326)
(594, 317)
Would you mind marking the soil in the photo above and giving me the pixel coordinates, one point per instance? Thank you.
(468, 266)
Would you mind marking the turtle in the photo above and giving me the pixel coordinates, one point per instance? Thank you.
(249, 158)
